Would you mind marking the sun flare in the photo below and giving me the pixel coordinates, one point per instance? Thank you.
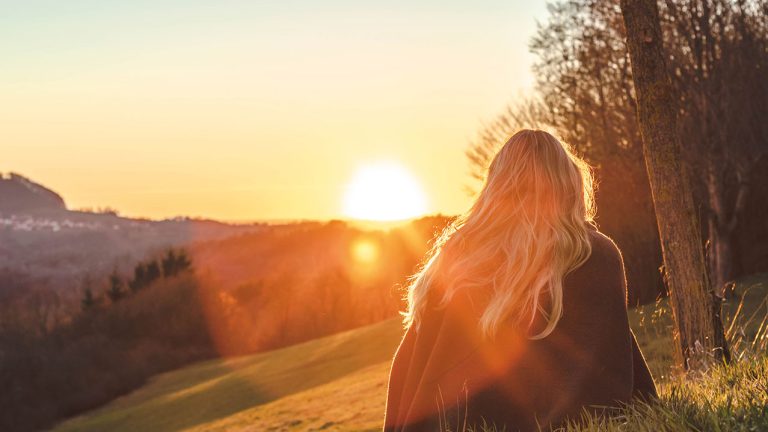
(384, 191)
(365, 251)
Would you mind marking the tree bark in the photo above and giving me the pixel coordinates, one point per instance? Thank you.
(699, 330)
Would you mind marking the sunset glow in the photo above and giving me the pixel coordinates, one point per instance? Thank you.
(244, 111)
(384, 192)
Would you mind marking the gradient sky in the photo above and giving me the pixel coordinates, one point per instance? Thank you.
(245, 110)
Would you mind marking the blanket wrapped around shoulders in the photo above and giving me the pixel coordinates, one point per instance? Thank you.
(445, 376)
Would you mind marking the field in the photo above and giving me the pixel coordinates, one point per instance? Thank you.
(338, 382)
(332, 383)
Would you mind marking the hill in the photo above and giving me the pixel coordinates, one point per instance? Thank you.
(264, 390)
(338, 382)
(19, 194)
(242, 295)
(45, 245)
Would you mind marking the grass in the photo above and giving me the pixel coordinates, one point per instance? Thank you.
(264, 389)
(730, 398)
(338, 383)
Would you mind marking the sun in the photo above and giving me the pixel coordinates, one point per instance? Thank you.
(384, 191)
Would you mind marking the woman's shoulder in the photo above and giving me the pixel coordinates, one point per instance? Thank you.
(603, 272)
(603, 247)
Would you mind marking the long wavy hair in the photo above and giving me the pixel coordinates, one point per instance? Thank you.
(526, 230)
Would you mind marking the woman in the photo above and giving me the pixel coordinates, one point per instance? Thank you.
(519, 316)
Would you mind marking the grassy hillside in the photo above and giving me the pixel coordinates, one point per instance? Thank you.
(265, 386)
(338, 382)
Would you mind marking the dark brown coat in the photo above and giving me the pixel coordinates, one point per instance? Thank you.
(446, 376)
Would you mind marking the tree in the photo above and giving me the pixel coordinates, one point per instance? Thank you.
(89, 301)
(44, 308)
(169, 263)
(175, 262)
(140, 279)
(153, 271)
(115, 291)
(720, 68)
(695, 307)
(183, 262)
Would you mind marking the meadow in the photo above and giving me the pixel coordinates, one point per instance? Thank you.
(338, 383)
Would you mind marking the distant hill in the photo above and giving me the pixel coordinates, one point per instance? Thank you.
(47, 245)
(19, 194)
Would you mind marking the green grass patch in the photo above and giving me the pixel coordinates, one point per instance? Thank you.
(213, 390)
(728, 398)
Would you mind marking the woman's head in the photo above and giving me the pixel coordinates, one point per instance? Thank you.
(527, 228)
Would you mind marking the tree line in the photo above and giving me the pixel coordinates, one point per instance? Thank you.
(121, 337)
(144, 274)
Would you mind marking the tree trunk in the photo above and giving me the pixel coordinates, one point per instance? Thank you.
(699, 329)
(720, 258)
(720, 255)
(722, 224)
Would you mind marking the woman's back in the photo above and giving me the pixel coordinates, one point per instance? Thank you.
(446, 375)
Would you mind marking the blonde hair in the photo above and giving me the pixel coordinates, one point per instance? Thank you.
(526, 230)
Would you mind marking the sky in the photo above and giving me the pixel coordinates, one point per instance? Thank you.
(253, 110)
